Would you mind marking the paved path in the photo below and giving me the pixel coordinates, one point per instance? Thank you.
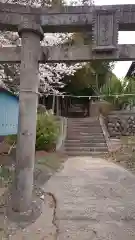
(95, 200)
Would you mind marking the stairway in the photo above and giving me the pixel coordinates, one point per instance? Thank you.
(84, 137)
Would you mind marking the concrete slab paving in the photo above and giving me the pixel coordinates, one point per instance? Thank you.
(95, 200)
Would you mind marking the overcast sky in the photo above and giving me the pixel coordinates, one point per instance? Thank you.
(121, 68)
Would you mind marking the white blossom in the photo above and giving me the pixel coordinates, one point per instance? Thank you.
(50, 74)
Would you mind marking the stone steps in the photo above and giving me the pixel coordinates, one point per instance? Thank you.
(84, 138)
(85, 125)
(86, 149)
(90, 128)
(84, 144)
(84, 134)
(84, 153)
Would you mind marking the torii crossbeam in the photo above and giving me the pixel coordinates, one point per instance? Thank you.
(64, 19)
(103, 21)
(70, 54)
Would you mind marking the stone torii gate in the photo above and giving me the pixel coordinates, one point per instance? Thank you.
(31, 24)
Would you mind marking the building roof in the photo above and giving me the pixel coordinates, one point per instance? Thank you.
(3, 89)
(131, 70)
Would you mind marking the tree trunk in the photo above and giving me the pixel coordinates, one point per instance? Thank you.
(57, 106)
(28, 100)
(53, 103)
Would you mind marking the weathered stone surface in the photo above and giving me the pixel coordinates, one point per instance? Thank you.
(89, 230)
(95, 200)
(121, 123)
(65, 19)
(28, 101)
(105, 31)
(75, 53)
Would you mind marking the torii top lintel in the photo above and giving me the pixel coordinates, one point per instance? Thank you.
(64, 19)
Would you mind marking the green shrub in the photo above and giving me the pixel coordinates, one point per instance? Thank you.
(41, 108)
(46, 133)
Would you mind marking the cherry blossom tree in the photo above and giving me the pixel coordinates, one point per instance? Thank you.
(50, 74)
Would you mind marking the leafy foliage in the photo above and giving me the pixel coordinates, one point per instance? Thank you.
(47, 131)
(88, 80)
(117, 92)
(6, 175)
(92, 75)
(41, 108)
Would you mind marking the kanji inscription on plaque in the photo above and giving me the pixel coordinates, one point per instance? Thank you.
(105, 31)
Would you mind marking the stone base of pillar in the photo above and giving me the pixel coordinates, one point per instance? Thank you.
(24, 219)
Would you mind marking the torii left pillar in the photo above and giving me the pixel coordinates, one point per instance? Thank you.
(31, 34)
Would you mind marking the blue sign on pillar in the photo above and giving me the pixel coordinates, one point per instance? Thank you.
(9, 111)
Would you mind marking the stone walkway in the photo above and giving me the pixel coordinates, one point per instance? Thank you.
(95, 200)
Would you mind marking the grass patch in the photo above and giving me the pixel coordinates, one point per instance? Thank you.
(46, 165)
(6, 175)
